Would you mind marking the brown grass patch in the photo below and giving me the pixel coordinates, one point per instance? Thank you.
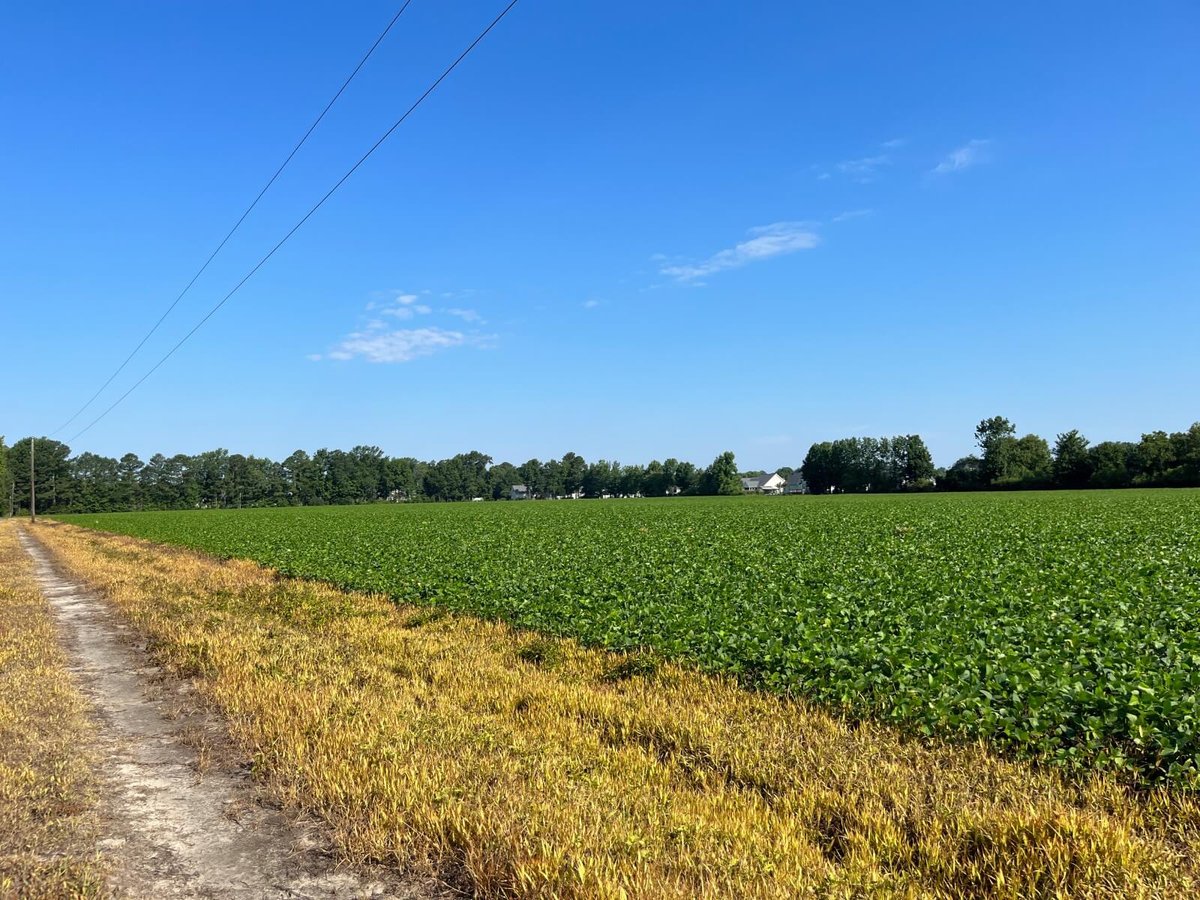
(47, 795)
(529, 767)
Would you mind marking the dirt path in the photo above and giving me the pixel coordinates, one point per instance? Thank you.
(171, 832)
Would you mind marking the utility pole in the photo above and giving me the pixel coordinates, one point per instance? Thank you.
(32, 486)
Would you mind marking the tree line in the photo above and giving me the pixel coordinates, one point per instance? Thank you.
(1006, 462)
(89, 482)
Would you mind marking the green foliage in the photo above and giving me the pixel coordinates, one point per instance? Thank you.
(965, 475)
(993, 437)
(1072, 465)
(858, 465)
(721, 477)
(1061, 626)
(5, 483)
(541, 652)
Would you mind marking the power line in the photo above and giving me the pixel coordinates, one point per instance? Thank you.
(362, 159)
(238, 224)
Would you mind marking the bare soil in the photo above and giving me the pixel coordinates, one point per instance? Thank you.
(180, 816)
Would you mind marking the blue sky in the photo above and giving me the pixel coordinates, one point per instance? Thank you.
(630, 230)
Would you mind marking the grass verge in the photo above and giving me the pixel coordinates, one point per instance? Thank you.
(47, 795)
(529, 767)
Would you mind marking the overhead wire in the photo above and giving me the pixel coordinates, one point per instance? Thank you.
(362, 159)
(242, 218)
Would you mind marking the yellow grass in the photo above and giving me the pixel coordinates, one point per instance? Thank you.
(531, 768)
(46, 790)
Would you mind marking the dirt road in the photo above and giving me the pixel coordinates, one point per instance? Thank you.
(175, 824)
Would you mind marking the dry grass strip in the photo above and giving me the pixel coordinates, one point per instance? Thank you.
(47, 795)
(531, 768)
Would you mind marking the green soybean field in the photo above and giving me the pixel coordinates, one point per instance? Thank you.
(1059, 626)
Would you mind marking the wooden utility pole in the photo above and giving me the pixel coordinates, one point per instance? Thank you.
(32, 485)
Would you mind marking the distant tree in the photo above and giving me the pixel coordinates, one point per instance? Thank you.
(92, 484)
(53, 472)
(965, 475)
(1187, 455)
(995, 438)
(600, 478)
(129, 492)
(1028, 463)
(501, 478)
(405, 477)
(721, 476)
(1072, 466)
(914, 462)
(630, 483)
(368, 471)
(552, 479)
(574, 467)
(1155, 456)
(5, 482)
(818, 468)
(687, 477)
(532, 477)
(1113, 464)
(654, 480)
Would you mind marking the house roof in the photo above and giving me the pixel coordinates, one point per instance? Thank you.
(519, 487)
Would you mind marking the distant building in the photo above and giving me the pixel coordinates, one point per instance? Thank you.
(796, 484)
(674, 489)
(519, 492)
(772, 483)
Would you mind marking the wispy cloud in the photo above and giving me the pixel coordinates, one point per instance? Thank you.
(378, 340)
(864, 168)
(852, 214)
(397, 304)
(972, 153)
(764, 242)
(397, 345)
(406, 312)
(467, 315)
(590, 304)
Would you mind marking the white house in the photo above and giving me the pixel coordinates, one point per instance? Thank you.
(772, 483)
(519, 492)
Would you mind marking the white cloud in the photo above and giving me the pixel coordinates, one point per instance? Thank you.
(398, 345)
(865, 168)
(765, 242)
(852, 214)
(401, 306)
(590, 304)
(972, 153)
(378, 340)
(894, 143)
